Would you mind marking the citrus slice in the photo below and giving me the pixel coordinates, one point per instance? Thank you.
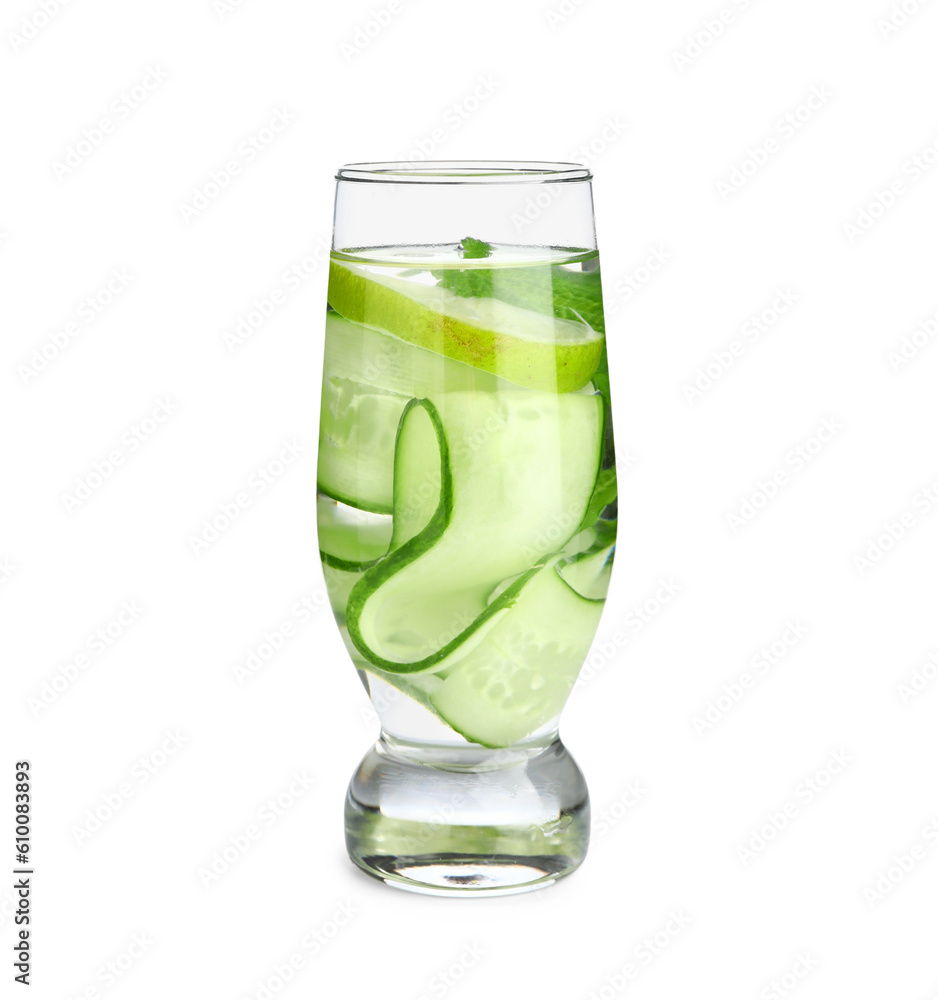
(526, 347)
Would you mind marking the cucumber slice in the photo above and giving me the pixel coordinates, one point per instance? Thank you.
(588, 572)
(605, 492)
(370, 378)
(520, 675)
(339, 583)
(358, 426)
(510, 475)
(417, 477)
(350, 539)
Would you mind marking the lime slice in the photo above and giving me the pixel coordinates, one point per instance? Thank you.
(523, 346)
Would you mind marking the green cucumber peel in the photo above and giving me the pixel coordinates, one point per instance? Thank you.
(434, 525)
(515, 680)
(403, 556)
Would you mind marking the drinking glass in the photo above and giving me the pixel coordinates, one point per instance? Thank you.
(466, 509)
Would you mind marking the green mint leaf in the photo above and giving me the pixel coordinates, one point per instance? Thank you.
(543, 288)
(472, 248)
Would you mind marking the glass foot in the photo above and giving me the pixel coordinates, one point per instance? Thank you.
(452, 822)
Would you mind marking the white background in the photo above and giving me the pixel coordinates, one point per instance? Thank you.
(563, 87)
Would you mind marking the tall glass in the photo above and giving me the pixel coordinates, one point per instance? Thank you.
(466, 509)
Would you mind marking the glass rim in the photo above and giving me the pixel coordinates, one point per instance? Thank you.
(464, 172)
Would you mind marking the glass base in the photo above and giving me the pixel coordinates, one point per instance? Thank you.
(452, 822)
